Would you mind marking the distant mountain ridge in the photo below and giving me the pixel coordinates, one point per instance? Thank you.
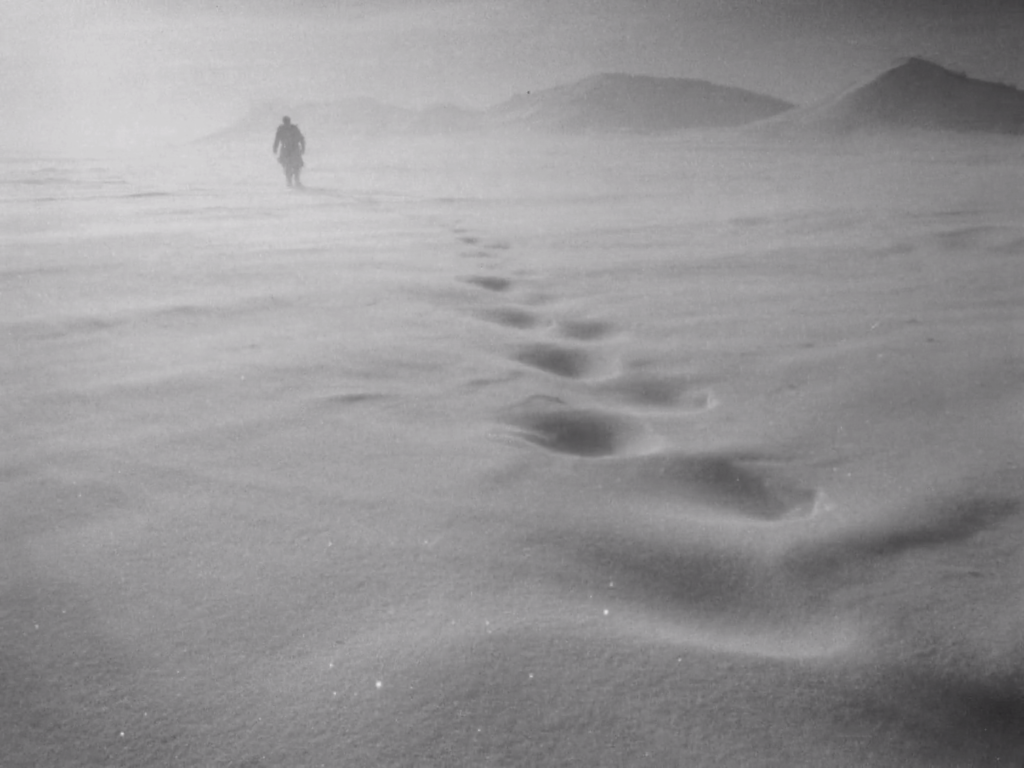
(604, 103)
(620, 103)
(914, 95)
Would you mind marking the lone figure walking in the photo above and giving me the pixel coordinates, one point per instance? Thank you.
(293, 144)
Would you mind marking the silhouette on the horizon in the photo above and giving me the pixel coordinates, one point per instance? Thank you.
(293, 144)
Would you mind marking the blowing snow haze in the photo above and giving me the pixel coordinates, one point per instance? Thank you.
(119, 75)
(561, 418)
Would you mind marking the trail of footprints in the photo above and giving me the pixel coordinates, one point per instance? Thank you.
(716, 589)
(578, 352)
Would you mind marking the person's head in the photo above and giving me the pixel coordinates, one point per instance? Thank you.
(286, 120)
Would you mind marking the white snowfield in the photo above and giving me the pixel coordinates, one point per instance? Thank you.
(679, 451)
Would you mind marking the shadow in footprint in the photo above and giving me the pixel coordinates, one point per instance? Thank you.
(557, 360)
(935, 522)
(700, 579)
(735, 482)
(682, 580)
(585, 330)
(352, 398)
(511, 317)
(489, 282)
(551, 424)
(654, 392)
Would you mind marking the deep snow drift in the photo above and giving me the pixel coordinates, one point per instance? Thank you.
(594, 452)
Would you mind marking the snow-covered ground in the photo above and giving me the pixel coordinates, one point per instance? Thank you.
(589, 452)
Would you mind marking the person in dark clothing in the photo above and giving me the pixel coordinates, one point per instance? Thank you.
(293, 144)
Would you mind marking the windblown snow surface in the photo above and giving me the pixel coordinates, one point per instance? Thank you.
(582, 452)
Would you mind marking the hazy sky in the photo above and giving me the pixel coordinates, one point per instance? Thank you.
(120, 72)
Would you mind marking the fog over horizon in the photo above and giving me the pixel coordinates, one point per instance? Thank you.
(113, 76)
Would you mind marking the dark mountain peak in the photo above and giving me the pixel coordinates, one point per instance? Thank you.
(917, 95)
